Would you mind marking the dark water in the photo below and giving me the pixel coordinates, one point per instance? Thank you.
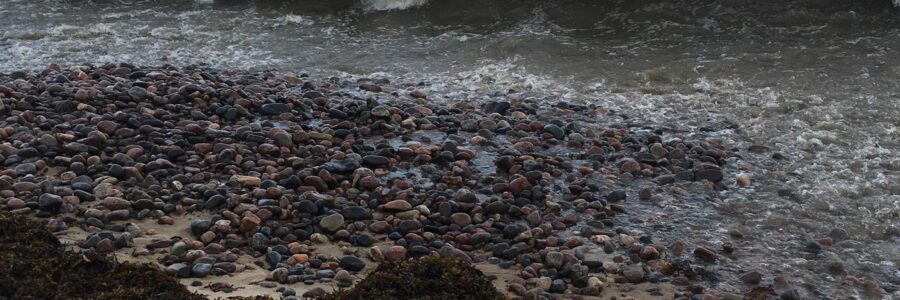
(816, 80)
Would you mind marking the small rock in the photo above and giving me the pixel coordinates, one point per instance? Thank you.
(332, 222)
(352, 263)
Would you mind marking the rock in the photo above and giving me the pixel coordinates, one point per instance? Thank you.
(743, 180)
(273, 258)
(355, 213)
(352, 263)
(248, 181)
(751, 278)
(107, 127)
(381, 111)
(249, 223)
(138, 93)
(630, 166)
(554, 130)
(343, 277)
(326, 273)
(616, 196)
(558, 286)
(706, 254)
(418, 94)
(554, 259)
(76, 147)
(259, 242)
(395, 254)
(115, 203)
(179, 269)
(634, 273)
(370, 87)
(201, 270)
(314, 293)
(272, 109)
(345, 166)
(49, 201)
(461, 219)
(713, 175)
(518, 185)
(332, 222)
(375, 161)
(397, 205)
(499, 107)
(544, 283)
(26, 169)
(316, 182)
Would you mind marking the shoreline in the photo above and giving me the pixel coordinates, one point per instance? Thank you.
(311, 182)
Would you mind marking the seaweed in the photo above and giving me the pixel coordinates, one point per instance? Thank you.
(34, 265)
(431, 277)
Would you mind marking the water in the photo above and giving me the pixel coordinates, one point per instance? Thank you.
(814, 80)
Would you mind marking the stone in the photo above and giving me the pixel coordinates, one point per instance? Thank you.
(26, 169)
(314, 293)
(518, 185)
(352, 263)
(713, 175)
(179, 269)
(273, 258)
(395, 254)
(248, 181)
(107, 127)
(616, 196)
(343, 277)
(49, 201)
(706, 254)
(344, 166)
(634, 273)
(332, 222)
(355, 213)
(274, 109)
(558, 133)
(259, 242)
(630, 166)
(461, 219)
(554, 259)
(499, 107)
(397, 205)
(751, 278)
(201, 270)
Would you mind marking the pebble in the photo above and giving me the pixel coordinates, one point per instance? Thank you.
(352, 263)
(706, 254)
(332, 222)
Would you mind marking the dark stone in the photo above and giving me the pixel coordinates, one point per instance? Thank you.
(616, 196)
(342, 166)
(352, 263)
(356, 213)
(201, 270)
(499, 107)
(713, 175)
(274, 109)
(375, 161)
(273, 258)
(554, 130)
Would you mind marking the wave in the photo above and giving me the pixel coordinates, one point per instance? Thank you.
(397, 4)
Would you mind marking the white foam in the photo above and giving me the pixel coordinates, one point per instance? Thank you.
(394, 4)
(295, 20)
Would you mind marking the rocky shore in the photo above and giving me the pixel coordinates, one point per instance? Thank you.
(259, 172)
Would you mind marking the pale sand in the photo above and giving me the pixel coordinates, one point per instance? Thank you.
(244, 283)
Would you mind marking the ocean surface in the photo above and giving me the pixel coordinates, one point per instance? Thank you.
(817, 81)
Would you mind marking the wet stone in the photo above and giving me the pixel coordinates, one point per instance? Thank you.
(352, 263)
(332, 222)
